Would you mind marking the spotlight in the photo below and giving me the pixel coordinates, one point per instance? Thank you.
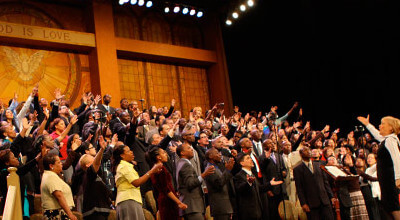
(185, 10)
(199, 14)
(235, 15)
(250, 3)
(192, 12)
(149, 4)
(121, 2)
(228, 22)
(133, 2)
(242, 7)
(166, 9)
(176, 9)
(141, 2)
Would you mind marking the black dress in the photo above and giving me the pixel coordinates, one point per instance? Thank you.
(387, 183)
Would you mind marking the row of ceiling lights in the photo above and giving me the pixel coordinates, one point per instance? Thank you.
(175, 8)
(239, 10)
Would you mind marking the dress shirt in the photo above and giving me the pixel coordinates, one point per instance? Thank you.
(258, 147)
(309, 165)
(124, 177)
(255, 161)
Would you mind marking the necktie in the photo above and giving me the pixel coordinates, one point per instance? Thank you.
(256, 165)
(310, 167)
(259, 148)
(273, 157)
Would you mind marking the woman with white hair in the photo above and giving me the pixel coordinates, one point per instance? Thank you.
(388, 162)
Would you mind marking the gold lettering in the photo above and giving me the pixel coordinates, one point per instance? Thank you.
(6, 29)
(67, 37)
(28, 31)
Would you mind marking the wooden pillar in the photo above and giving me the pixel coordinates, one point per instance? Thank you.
(218, 77)
(103, 60)
(12, 208)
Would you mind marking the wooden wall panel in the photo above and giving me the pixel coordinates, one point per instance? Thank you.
(194, 88)
(132, 79)
(187, 85)
(162, 84)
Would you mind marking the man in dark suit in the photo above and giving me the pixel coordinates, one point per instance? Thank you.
(273, 167)
(256, 140)
(218, 186)
(248, 190)
(120, 126)
(313, 188)
(189, 184)
(105, 107)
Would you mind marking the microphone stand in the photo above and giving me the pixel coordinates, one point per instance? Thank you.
(279, 168)
(144, 130)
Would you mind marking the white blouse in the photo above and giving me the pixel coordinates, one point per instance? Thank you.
(52, 182)
(392, 145)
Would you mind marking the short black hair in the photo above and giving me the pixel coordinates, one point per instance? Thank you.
(179, 150)
(48, 159)
(240, 157)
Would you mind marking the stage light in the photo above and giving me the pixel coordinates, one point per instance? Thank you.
(185, 10)
(177, 9)
(133, 2)
(250, 3)
(141, 2)
(242, 7)
(166, 9)
(149, 4)
(121, 2)
(192, 12)
(228, 22)
(235, 15)
(199, 14)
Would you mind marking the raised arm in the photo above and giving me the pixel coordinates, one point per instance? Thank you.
(74, 119)
(370, 127)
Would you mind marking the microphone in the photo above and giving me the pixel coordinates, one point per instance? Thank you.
(142, 100)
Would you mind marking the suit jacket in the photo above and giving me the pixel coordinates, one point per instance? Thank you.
(248, 197)
(189, 187)
(218, 191)
(255, 150)
(120, 129)
(312, 189)
(273, 169)
(104, 110)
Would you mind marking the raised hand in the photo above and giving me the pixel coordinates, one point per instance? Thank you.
(267, 153)
(74, 119)
(229, 164)
(102, 142)
(114, 139)
(97, 99)
(75, 144)
(35, 90)
(210, 170)
(156, 168)
(363, 120)
(57, 94)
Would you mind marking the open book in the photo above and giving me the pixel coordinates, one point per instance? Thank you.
(338, 173)
(335, 171)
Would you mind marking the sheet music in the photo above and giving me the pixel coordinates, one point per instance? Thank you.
(335, 171)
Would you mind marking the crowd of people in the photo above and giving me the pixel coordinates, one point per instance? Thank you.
(97, 158)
